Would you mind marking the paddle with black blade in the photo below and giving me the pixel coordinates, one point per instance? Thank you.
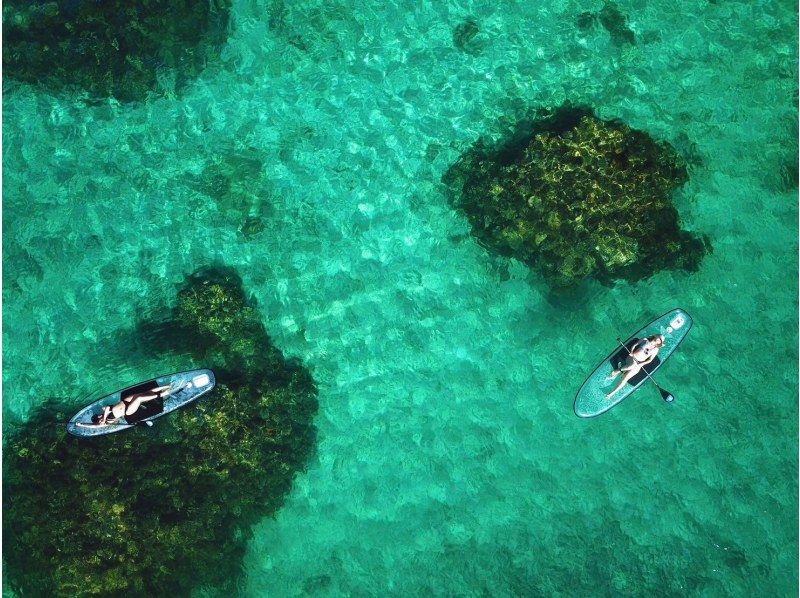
(665, 394)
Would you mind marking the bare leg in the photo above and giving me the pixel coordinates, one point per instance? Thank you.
(168, 389)
(136, 403)
(628, 375)
(623, 367)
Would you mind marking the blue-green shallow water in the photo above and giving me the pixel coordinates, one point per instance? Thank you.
(450, 461)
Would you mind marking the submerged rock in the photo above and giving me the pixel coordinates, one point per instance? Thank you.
(113, 48)
(576, 197)
(612, 19)
(169, 509)
(586, 20)
(615, 22)
(464, 37)
(235, 182)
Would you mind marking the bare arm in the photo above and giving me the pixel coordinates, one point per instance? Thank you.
(652, 356)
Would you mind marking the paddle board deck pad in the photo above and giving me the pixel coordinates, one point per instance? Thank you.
(590, 400)
(186, 387)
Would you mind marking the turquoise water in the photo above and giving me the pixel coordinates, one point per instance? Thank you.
(449, 459)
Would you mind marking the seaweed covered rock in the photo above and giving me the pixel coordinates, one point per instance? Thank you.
(577, 198)
(168, 509)
(113, 48)
(215, 309)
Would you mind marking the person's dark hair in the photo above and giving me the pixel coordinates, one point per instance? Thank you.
(96, 418)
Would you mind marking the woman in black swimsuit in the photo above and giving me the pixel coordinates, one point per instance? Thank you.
(642, 353)
(127, 406)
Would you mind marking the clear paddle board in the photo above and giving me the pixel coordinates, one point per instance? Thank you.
(185, 387)
(591, 398)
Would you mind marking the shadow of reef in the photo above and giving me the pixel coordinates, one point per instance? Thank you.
(167, 509)
(575, 197)
(113, 48)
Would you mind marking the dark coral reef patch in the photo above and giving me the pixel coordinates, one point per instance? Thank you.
(576, 197)
(113, 48)
(164, 510)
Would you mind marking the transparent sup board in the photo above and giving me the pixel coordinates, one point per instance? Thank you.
(590, 400)
(188, 386)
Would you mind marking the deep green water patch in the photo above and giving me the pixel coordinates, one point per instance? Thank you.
(465, 37)
(236, 183)
(167, 509)
(616, 23)
(613, 20)
(112, 48)
(311, 30)
(577, 197)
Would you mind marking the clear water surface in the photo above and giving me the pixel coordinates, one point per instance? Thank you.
(449, 460)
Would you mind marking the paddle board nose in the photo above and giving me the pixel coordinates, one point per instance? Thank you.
(201, 380)
(677, 322)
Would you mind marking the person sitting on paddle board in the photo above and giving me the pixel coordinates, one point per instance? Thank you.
(643, 352)
(112, 414)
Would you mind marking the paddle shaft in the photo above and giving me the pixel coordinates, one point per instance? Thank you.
(669, 396)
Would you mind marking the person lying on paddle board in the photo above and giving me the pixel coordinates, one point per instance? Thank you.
(112, 414)
(643, 352)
